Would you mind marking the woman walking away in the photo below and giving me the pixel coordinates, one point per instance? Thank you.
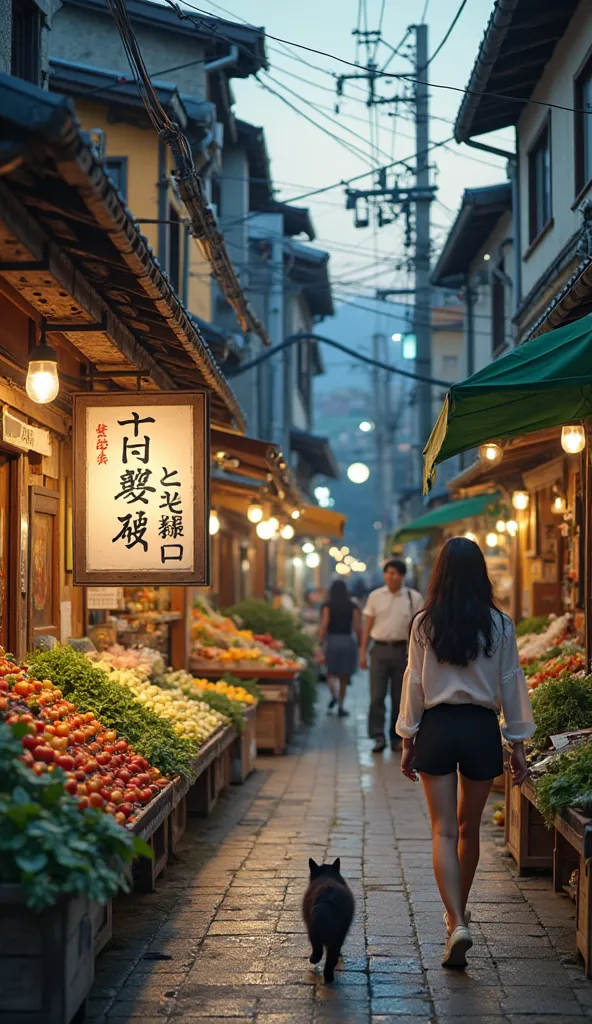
(463, 669)
(340, 620)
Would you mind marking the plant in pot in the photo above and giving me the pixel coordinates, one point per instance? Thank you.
(55, 862)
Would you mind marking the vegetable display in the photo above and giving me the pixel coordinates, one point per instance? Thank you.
(114, 705)
(566, 783)
(47, 845)
(536, 646)
(561, 705)
(191, 720)
(216, 638)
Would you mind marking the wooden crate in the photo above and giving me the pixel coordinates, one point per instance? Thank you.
(177, 822)
(102, 923)
(244, 749)
(573, 850)
(46, 959)
(527, 838)
(276, 715)
(153, 826)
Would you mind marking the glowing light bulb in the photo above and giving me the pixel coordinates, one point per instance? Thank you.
(491, 540)
(470, 536)
(214, 523)
(342, 569)
(287, 532)
(265, 529)
(500, 526)
(313, 560)
(358, 472)
(491, 453)
(573, 439)
(512, 527)
(308, 548)
(254, 513)
(42, 383)
(520, 500)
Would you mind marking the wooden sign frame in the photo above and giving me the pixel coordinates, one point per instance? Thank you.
(199, 401)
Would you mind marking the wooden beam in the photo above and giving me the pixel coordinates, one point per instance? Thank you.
(40, 246)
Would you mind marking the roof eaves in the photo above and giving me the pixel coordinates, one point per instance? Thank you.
(491, 44)
(476, 203)
(81, 169)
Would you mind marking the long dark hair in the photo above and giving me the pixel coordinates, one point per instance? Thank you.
(338, 595)
(457, 619)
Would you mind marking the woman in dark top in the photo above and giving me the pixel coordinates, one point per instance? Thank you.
(340, 620)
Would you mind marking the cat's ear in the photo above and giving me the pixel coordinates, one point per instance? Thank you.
(314, 867)
(337, 865)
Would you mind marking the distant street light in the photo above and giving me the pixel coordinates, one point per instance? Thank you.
(366, 426)
(358, 472)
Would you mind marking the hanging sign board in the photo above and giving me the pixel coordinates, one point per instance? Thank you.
(23, 435)
(141, 488)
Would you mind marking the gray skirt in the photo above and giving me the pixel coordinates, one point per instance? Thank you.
(341, 654)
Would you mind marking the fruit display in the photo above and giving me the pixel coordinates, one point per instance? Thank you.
(94, 690)
(47, 845)
(101, 769)
(192, 720)
(234, 692)
(216, 638)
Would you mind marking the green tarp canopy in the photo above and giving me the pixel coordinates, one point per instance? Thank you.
(450, 513)
(543, 383)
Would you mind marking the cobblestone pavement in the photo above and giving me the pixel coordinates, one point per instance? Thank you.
(222, 939)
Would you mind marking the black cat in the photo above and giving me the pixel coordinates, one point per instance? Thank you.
(328, 910)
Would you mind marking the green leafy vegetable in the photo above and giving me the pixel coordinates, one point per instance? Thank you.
(114, 705)
(535, 624)
(560, 705)
(567, 783)
(261, 618)
(50, 847)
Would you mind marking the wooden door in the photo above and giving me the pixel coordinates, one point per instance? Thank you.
(44, 597)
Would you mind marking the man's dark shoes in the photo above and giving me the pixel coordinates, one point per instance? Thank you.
(379, 745)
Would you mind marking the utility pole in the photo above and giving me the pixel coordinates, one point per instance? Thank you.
(422, 318)
(379, 432)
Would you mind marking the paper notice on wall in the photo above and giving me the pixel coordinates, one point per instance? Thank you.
(65, 620)
(105, 598)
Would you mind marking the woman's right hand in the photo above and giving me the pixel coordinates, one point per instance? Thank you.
(407, 757)
(518, 765)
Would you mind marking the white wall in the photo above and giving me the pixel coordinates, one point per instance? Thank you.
(480, 276)
(556, 86)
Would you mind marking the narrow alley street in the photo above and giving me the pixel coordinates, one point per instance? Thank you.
(222, 938)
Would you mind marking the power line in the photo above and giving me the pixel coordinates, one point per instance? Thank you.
(448, 33)
(295, 339)
(506, 97)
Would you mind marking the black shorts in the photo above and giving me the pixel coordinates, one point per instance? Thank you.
(463, 737)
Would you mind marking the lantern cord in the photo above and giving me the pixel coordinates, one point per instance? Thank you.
(203, 224)
(293, 339)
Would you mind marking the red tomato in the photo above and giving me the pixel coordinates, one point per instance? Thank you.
(43, 753)
(130, 796)
(117, 796)
(83, 803)
(30, 742)
(120, 818)
(96, 800)
(81, 789)
(103, 759)
(90, 766)
(126, 809)
(143, 779)
(66, 762)
(120, 746)
(146, 796)
(125, 776)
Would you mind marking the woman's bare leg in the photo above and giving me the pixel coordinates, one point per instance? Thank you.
(343, 681)
(473, 797)
(441, 795)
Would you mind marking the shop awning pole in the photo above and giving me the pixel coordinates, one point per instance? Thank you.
(587, 502)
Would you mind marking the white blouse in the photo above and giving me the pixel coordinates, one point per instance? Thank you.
(495, 682)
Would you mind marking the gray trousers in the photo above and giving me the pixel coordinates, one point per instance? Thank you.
(387, 667)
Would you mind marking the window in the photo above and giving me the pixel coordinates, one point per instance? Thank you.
(498, 309)
(174, 249)
(583, 126)
(25, 57)
(116, 167)
(539, 183)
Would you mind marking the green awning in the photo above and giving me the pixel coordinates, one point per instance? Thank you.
(544, 383)
(450, 513)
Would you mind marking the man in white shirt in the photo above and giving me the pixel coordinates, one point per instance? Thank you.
(387, 618)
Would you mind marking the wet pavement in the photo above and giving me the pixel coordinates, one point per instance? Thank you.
(222, 938)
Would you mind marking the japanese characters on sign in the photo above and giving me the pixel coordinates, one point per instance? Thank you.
(145, 496)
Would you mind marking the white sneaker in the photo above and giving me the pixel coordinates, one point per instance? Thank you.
(455, 954)
(447, 923)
